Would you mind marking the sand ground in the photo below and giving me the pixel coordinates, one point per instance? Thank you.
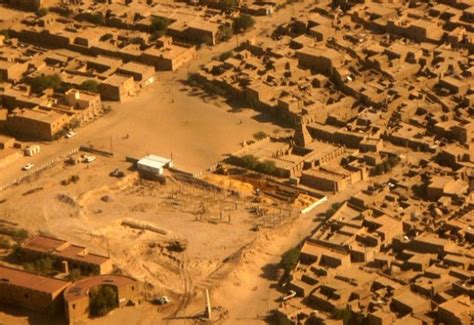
(237, 264)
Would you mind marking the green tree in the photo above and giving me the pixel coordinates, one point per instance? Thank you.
(393, 161)
(249, 161)
(290, 259)
(90, 85)
(19, 234)
(225, 33)
(228, 5)
(267, 167)
(102, 300)
(42, 265)
(379, 169)
(260, 135)
(40, 83)
(74, 275)
(41, 12)
(242, 23)
(4, 243)
(159, 25)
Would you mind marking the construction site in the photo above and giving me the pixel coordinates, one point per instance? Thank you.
(178, 235)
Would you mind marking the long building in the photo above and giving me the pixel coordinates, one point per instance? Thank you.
(76, 256)
(31, 291)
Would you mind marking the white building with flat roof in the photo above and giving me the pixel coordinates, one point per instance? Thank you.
(154, 164)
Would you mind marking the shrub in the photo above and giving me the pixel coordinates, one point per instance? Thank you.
(4, 243)
(387, 165)
(107, 109)
(242, 23)
(159, 25)
(290, 259)
(20, 234)
(42, 12)
(225, 33)
(90, 85)
(260, 135)
(267, 167)
(228, 5)
(393, 161)
(74, 275)
(249, 161)
(40, 83)
(42, 265)
(102, 300)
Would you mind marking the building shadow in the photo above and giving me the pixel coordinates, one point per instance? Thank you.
(32, 318)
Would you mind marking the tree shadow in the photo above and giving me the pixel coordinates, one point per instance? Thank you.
(270, 272)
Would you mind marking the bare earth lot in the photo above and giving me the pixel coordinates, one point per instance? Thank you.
(198, 133)
(216, 228)
(236, 263)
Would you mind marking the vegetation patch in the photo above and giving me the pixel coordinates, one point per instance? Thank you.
(90, 85)
(251, 162)
(387, 165)
(243, 23)
(41, 83)
(102, 300)
(289, 259)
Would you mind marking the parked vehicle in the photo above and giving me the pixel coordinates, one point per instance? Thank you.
(89, 159)
(291, 294)
(70, 134)
(117, 173)
(163, 300)
(28, 167)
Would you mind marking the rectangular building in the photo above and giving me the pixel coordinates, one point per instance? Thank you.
(36, 123)
(153, 165)
(76, 256)
(31, 291)
(117, 87)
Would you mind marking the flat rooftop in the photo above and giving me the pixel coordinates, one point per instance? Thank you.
(117, 80)
(136, 67)
(38, 115)
(62, 248)
(154, 161)
(19, 278)
(81, 288)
